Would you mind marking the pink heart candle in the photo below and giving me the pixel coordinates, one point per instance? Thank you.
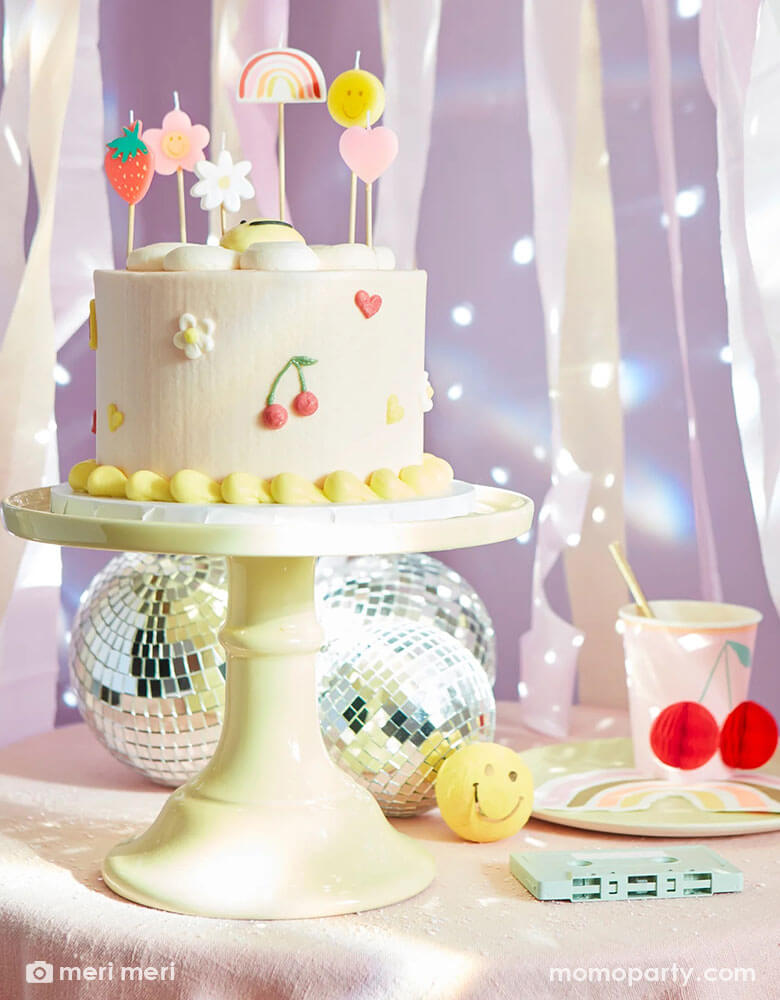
(368, 152)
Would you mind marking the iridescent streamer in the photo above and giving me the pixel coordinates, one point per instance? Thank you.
(552, 51)
(727, 39)
(575, 257)
(657, 24)
(239, 29)
(28, 353)
(410, 33)
(14, 152)
(591, 411)
(748, 164)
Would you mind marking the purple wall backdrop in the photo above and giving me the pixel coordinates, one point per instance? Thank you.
(491, 416)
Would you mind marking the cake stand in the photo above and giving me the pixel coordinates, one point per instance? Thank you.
(271, 828)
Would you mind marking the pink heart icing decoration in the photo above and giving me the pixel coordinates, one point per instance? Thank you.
(368, 152)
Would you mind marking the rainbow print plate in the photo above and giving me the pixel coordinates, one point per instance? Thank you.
(689, 814)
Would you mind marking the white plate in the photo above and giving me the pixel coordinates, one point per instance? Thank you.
(669, 817)
(459, 501)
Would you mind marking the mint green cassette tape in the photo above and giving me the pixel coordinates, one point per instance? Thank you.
(634, 874)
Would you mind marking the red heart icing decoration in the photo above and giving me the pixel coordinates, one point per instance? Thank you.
(368, 304)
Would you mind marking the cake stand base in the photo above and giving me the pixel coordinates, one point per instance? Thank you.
(271, 827)
(278, 860)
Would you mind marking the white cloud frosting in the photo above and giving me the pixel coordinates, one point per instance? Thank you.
(282, 256)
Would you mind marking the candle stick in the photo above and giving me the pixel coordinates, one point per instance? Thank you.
(281, 162)
(222, 212)
(352, 205)
(177, 147)
(131, 211)
(369, 217)
(281, 76)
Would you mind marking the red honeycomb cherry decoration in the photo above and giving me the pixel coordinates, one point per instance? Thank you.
(274, 415)
(748, 737)
(685, 734)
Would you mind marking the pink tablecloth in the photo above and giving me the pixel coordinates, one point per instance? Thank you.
(475, 933)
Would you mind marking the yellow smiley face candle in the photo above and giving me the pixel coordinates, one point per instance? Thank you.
(485, 792)
(356, 97)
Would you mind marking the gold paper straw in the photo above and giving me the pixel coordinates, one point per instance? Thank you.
(616, 551)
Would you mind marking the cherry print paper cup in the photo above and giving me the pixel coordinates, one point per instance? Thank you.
(686, 670)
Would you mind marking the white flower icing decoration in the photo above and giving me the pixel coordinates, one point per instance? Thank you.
(427, 394)
(195, 336)
(222, 183)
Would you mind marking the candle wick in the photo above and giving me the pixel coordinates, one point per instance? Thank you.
(357, 59)
(176, 99)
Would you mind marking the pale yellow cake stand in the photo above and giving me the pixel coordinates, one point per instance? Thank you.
(271, 828)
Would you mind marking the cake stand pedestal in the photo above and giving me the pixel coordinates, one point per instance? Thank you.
(271, 828)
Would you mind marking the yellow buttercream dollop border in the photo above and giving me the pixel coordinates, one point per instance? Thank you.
(431, 478)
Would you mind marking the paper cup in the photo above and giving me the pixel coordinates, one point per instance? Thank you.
(692, 651)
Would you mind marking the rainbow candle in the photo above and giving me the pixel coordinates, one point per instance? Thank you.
(281, 76)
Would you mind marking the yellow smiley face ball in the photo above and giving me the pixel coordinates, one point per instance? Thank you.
(355, 94)
(485, 792)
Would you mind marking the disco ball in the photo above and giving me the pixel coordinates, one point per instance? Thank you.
(416, 587)
(146, 665)
(395, 699)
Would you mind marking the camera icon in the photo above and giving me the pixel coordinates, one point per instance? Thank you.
(40, 972)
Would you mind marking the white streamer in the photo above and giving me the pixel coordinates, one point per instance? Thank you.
(410, 33)
(754, 339)
(81, 238)
(14, 150)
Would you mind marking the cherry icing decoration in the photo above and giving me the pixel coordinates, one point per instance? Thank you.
(274, 416)
(748, 737)
(305, 403)
(684, 735)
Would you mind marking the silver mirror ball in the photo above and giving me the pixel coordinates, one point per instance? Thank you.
(404, 677)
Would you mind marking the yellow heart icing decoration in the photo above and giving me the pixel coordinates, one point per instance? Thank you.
(241, 487)
(115, 417)
(107, 481)
(395, 411)
(288, 487)
(191, 486)
(345, 487)
(386, 484)
(79, 474)
(148, 486)
(92, 325)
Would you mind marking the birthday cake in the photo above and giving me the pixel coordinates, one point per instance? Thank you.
(262, 369)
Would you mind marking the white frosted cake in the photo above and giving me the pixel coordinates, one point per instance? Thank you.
(262, 370)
